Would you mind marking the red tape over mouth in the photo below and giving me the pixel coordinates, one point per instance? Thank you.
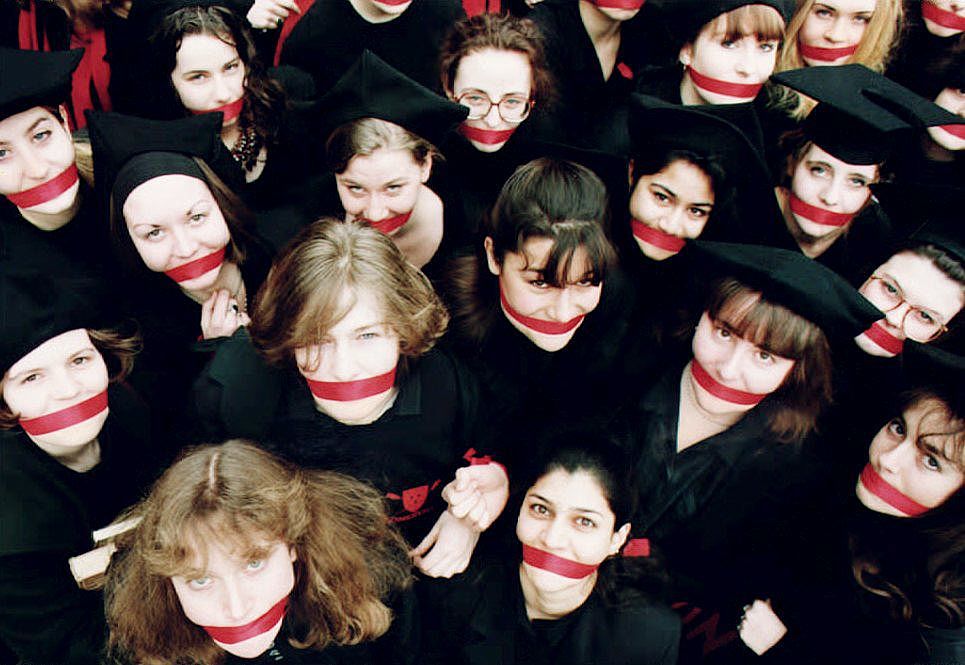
(880, 487)
(826, 54)
(656, 237)
(818, 215)
(349, 391)
(389, 224)
(877, 334)
(264, 623)
(737, 90)
(943, 17)
(619, 4)
(198, 267)
(957, 131)
(719, 390)
(540, 325)
(555, 564)
(65, 418)
(393, 3)
(230, 111)
(46, 191)
(486, 136)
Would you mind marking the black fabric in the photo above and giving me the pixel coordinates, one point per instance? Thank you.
(32, 78)
(332, 35)
(921, 210)
(479, 618)
(688, 17)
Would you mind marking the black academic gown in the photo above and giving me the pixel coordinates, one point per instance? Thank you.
(479, 618)
(48, 515)
(331, 36)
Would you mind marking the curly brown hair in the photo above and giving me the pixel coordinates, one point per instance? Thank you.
(349, 558)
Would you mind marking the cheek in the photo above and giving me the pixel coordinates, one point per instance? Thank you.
(198, 608)
(767, 380)
(155, 255)
(856, 199)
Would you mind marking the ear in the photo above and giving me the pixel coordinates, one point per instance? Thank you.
(426, 169)
(494, 266)
(62, 109)
(686, 55)
(619, 538)
(630, 175)
(292, 554)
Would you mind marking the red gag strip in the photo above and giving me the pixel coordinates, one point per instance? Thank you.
(198, 267)
(487, 136)
(289, 25)
(818, 215)
(554, 564)
(738, 90)
(942, 17)
(619, 4)
(717, 389)
(235, 634)
(389, 224)
(954, 130)
(230, 111)
(637, 547)
(884, 491)
(539, 325)
(392, 3)
(826, 54)
(656, 237)
(349, 391)
(65, 418)
(877, 334)
(46, 191)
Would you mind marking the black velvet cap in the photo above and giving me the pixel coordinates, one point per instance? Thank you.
(35, 78)
(373, 89)
(129, 150)
(937, 370)
(791, 279)
(861, 114)
(688, 17)
(925, 213)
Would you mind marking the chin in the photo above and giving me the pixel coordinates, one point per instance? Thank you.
(653, 252)
(58, 204)
(872, 502)
(551, 343)
(871, 348)
(945, 139)
(202, 282)
(940, 30)
(253, 646)
(75, 436)
(812, 232)
(825, 63)
(487, 147)
(357, 412)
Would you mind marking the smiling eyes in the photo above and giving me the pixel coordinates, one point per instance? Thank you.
(542, 511)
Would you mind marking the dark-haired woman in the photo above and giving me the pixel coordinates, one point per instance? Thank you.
(580, 593)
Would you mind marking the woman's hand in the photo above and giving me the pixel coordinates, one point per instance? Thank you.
(270, 14)
(760, 627)
(221, 316)
(478, 494)
(449, 544)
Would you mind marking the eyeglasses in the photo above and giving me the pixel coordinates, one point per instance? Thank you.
(918, 323)
(511, 108)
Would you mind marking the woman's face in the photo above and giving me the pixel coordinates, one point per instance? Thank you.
(360, 346)
(835, 24)
(745, 61)
(208, 73)
(567, 515)
(915, 296)
(824, 181)
(229, 590)
(174, 220)
(735, 363)
(523, 284)
(60, 373)
(382, 185)
(34, 149)
(915, 467)
(956, 7)
(952, 100)
(496, 76)
(677, 200)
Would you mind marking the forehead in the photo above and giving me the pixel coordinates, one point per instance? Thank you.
(569, 491)
(818, 154)
(382, 166)
(535, 253)
(496, 72)
(924, 284)
(204, 51)
(164, 197)
(849, 6)
(14, 126)
(209, 548)
(366, 310)
(685, 179)
(54, 351)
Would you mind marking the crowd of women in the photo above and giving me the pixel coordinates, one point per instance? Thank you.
(489, 332)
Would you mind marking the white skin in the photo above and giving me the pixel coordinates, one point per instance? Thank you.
(173, 220)
(390, 182)
(379, 12)
(270, 14)
(923, 286)
(208, 73)
(567, 515)
(836, 24)
(497, 75)
(229, 589)
(522, 281)
(602, 25)
(956, 6)
(953, 101)
(35, 148)
(677, 200)
(713, 53)
(63, 371)
(822, 180)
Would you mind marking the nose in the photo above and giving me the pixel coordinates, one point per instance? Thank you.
(743, 64)
(830, 194)
(223, 92)
(553, 536)
(65, 386)
(235, 601)
(564, 307)
(729, 367)
(185, 245)
(896, 316)
(891, 460)
(492, 118)
(835, 32)
(671, 222)
(342, 365)
(376, 209)
(34, 166)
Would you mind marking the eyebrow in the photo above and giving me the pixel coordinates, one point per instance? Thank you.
(704, 204)
(86, 349)
(576, 509)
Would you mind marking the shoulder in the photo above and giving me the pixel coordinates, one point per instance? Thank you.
(644, 632)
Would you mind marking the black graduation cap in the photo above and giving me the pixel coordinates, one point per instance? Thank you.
(861, 114)
(34, 307)
(373, 89)
(35, 78)
(939, 370)
(118, 139)
(688, 17)
(925, 213)
(791, 279)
